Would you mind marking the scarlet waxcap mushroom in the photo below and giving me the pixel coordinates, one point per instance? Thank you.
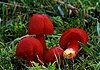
(29, 49)
(40, 25)
(53, 54)
(69, 41)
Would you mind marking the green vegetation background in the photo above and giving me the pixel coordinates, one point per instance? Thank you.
(65, 14)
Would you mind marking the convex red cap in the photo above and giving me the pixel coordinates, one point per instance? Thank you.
(72, 34)
(29, 48)
(40, 24)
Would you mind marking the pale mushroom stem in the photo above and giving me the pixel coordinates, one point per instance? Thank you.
(41, 38)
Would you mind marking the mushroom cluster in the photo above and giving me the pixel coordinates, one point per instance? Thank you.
(41, 25)
(35, 48)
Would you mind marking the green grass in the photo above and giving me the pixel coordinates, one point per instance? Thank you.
(15, 15)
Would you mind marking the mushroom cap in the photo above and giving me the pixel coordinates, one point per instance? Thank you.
(40, 24)
(53, 54)
(73, 34)
(29, 48)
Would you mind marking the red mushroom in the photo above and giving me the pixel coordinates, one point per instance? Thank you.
(29, 49)
(53, 54)
(40, 25)
(69, 41)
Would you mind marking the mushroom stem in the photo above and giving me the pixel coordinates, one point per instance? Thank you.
(74, 45)
(41, 38)
(72, 50)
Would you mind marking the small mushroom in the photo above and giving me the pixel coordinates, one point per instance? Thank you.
(40, 25)
(53, 54)
(69, 41)
(29, 49)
